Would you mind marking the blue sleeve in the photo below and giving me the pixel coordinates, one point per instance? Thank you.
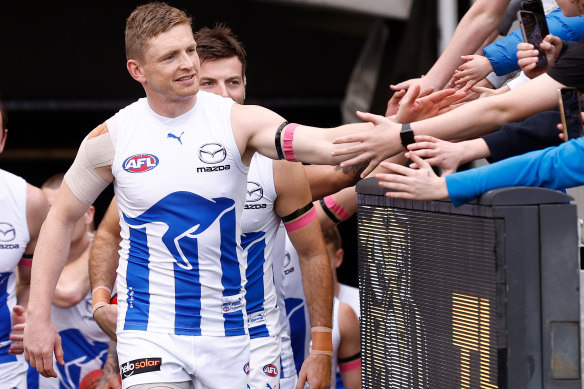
(554, 168)
(503, 53)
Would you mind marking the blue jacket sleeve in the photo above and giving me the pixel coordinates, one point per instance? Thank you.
(503, 53)
(554, 168)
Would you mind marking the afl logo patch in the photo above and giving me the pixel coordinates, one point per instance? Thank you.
(7, 232)
(271, 370)
(140, 163)
(246, 368)
(212, 153)
(254, 192)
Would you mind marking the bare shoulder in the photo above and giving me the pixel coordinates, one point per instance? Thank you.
(348, 321)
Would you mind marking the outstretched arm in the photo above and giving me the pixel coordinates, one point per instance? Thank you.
(471, 120)
(304, 232)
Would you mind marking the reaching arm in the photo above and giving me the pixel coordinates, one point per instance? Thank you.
(326, 180)
(474, 28)
(473, 119)
(103, 261)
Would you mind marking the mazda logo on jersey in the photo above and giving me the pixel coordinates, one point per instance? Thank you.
(140, 163)
(212, 153)
(254, 192)
(7, 232)
(139, 366)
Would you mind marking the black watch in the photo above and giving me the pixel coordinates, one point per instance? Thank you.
(407, 135)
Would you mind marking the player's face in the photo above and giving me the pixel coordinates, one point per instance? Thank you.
(171, 65)
(569, 7)
(223, 77)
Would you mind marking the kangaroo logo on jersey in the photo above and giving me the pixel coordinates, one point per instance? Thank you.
(246, 368)
(254, 192)
(7, 232)
(140, 163)
(81, 357)
(172, 136)
(139, 366)
(212, 153)
(271, 370)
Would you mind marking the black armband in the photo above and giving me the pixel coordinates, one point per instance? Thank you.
(299, 212)
(349, 359)
(328, 212)
(277, 140)
(27, 256)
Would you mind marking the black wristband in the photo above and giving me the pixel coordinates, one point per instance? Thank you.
(407, 135)
(27, 256)
(277, 140)
(328, 212)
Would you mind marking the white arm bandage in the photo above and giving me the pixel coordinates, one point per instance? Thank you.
(82, 177)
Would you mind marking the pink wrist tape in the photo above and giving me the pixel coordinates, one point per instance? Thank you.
(336, 208)
(288, 138)
(301, 221)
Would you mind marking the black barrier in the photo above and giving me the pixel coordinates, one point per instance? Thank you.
(485, 295)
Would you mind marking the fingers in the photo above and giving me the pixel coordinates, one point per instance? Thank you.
(418, 161)
(369, 117)
(426, 92)
(59, 351)
(411, 95)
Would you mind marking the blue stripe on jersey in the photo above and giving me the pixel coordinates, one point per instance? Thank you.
(231, 278)
(187, 215)
(137, 275)
(295, 311)
(255, 244)
(5, 320)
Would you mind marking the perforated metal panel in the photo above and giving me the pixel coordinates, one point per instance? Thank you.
(428, 299)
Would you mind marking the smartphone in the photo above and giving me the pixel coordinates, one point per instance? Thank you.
(536, 7)
(570, 113)
(532, 33)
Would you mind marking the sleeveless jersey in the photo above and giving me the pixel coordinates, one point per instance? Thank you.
(14, 238)
(295, 303)
(84, 345)
(180, 188)
(260, 225)
(350, 295)
(336, 343)
(263, 240)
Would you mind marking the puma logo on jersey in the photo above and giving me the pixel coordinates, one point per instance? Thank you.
(7, 232)
(140, 163)
(172, 136)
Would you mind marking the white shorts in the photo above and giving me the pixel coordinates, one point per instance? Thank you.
(207, 361)
(13, 374)
(264, 362)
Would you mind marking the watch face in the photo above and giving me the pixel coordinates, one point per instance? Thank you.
(406, 135)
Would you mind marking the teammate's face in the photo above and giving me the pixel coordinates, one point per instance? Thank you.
(170, 65)
(2, 134)
(223, 77)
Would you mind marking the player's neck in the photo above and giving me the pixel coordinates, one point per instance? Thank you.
(170, 108)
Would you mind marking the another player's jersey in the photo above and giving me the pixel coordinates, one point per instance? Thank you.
(336, 343)
(14, 238)
(180, 188)
(259, 241)
(287, 356)
(296, 309)
(350, 295)
(84, 345)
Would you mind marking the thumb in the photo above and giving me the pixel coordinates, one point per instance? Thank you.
(59, 351)
(368, 117)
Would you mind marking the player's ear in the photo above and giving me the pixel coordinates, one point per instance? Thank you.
(135, 69)
(3, 135)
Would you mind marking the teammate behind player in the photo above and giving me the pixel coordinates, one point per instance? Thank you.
(23, 209)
